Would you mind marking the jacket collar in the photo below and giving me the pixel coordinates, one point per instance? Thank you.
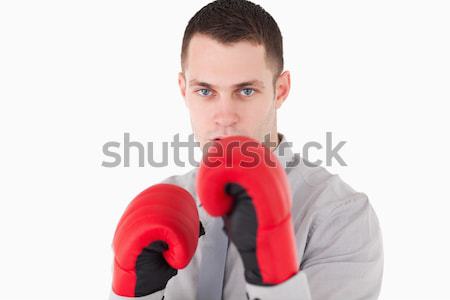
(283, 151)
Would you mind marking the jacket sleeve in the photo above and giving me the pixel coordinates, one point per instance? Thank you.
(343, 258)
(159, 295)
(295, 287)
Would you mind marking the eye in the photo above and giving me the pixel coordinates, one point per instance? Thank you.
(204, 92)
(247, 92)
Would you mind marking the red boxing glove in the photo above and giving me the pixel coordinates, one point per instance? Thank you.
(157, 234)
(243, 181)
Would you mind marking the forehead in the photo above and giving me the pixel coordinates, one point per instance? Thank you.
(212, 61)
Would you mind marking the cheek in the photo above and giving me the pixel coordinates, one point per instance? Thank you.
(198, 114)
(261, 108)
(264, 118)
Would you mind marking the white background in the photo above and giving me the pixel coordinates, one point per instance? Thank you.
(77, 74)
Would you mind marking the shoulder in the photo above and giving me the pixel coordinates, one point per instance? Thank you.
(185, 180)
(319, 195)
(331, 218)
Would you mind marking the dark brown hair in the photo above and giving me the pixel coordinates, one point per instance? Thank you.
(230, 21)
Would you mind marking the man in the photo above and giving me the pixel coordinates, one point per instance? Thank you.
(232, 82)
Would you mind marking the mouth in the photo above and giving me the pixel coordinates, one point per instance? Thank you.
(217, 138)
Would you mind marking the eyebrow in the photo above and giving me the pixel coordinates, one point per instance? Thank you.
(237, 85)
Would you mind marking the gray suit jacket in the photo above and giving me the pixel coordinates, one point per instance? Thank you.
(338, 237)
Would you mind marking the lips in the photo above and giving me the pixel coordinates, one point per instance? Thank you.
(217, 138)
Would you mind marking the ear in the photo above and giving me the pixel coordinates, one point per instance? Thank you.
(182, 84)
(282, 88)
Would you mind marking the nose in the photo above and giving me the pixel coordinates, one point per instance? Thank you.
(226, 114)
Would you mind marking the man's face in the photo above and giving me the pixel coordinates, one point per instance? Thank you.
(229, 90)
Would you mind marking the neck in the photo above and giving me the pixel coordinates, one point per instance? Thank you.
(273, 142)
